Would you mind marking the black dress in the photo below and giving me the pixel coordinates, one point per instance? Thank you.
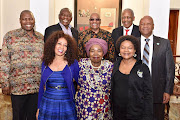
(120, 100)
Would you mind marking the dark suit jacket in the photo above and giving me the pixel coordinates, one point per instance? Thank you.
(57, 27)
(117, 32)
(163, 68)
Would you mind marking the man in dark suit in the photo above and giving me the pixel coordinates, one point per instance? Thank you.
(161, 64)
(128, 27)
(65, 17)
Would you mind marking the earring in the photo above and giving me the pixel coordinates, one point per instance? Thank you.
(119, 54)
(135, 55)
(102, 58)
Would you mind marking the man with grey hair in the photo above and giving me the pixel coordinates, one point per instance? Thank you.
(65, 17)
(128, 28)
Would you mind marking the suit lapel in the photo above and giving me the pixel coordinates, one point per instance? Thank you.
(156, 46)
(58, 26)
(121, 31)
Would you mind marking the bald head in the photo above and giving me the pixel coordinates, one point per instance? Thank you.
(146, 26)
(26, 11)
(147, 17)
(95, 14)
(95, 22)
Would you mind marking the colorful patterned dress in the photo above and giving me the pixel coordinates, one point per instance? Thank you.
(93, 97)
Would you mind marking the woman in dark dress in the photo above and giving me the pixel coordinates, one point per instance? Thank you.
(131, 87)
(59, 67)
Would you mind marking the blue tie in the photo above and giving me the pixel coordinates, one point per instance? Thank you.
(146, 53)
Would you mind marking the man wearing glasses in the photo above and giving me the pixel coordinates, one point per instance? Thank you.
(128, 28)
(95, 32)
(65, 17)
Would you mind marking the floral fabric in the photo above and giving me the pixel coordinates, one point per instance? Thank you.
(93, 97)
(102, 34)
(21, 61)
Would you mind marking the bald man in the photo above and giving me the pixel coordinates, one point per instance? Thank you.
(161, 65)
(95, 32)
(20, 70)
(128, 28)
(65, 18)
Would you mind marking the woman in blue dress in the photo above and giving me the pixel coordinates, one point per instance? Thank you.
(59, 67)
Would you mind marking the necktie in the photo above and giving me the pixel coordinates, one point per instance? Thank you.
(146, 53)
(127, 31)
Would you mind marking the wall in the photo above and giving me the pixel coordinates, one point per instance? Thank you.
(10, 11)
(58, 6)
(140, 8)
(41, 14)
(175, 4)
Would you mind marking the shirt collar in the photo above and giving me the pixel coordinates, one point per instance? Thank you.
(64, 26)
(150, 37)
(130, 28)
(23, 32)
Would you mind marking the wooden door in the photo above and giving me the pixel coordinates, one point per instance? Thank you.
(173, 29)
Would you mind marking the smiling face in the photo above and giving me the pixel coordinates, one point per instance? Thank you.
(61, 47)
(127, 18)
(95, 22)
(96, 54)
(27, 21)
(146, 26)
(127, 49)
(65, 17)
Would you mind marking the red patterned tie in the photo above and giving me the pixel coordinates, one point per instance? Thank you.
(127, 31)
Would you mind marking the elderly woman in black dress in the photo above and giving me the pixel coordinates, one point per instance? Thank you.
(131, 87)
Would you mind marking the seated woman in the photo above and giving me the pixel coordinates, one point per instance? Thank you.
(95, 74)
(131, 86)
(59, 67)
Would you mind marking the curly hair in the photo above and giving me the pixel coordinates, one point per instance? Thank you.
(130, 38)
(49, 48)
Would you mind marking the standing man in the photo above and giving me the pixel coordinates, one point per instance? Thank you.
(128, 28)
(95, 32)
(65, 17)
(20, 70)
(157, 55)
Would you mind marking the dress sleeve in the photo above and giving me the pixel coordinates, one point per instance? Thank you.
(41, 88)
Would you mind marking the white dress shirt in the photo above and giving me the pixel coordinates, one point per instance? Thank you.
(66, 31)
(130, 30)
(143, 42)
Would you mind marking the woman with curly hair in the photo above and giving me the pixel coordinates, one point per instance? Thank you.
(131, 86)
(59, 67)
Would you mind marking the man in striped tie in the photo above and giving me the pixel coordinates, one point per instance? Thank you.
(157, 55)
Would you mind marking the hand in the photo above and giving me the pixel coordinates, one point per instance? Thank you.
(78, 87)
(37, 113)
(6, 90)
(166, 98)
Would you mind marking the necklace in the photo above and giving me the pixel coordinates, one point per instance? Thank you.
(94, 66)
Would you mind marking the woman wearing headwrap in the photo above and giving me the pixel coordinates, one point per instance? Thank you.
(94, 79)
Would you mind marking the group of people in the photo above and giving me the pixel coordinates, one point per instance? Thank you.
(40, 73)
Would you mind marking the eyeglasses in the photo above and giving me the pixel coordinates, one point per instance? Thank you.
(92, 19)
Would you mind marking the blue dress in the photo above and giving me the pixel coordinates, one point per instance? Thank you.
(56, 103)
